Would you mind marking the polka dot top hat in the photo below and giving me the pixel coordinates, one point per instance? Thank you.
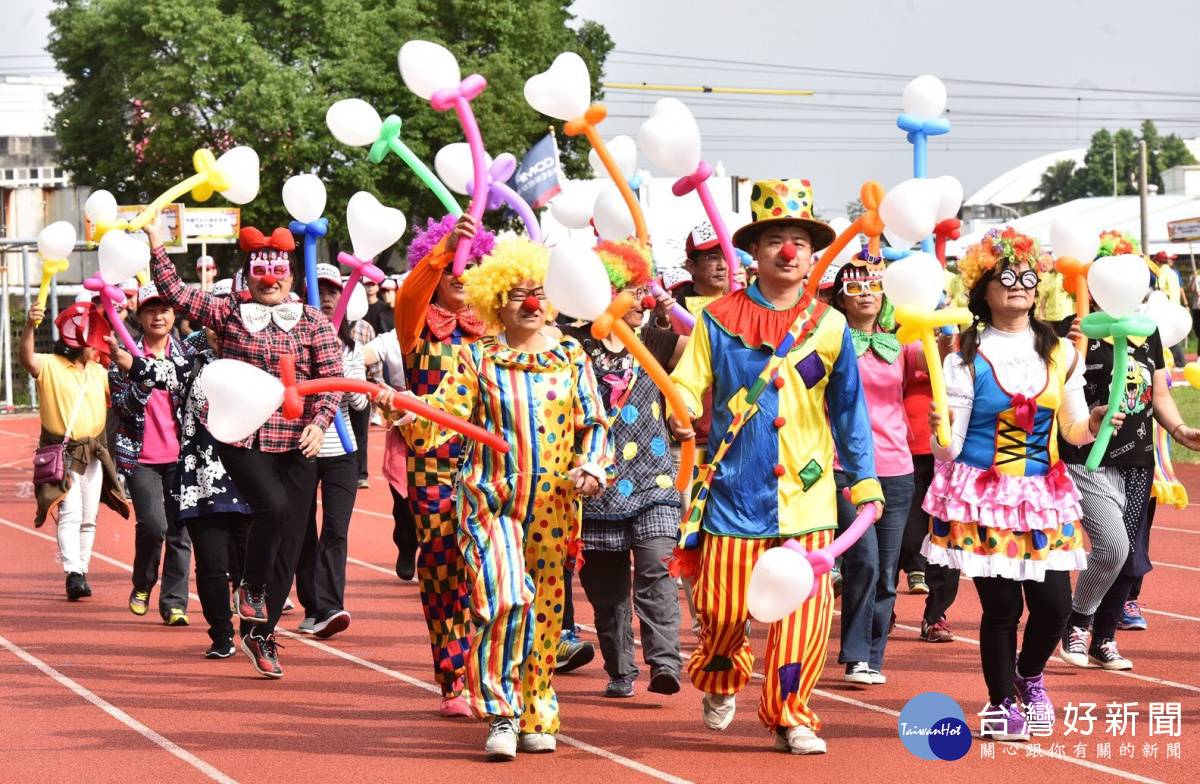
(783, 202)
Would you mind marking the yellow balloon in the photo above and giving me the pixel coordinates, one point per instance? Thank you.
(1191, 371)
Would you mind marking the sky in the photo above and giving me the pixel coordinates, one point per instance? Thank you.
(1024, 77)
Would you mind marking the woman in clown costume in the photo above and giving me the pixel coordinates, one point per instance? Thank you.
(1005, 511)
(518, 512)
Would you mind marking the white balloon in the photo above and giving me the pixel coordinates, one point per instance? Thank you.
(899, 243)
(925, 97)
(613, 220)
(1118, 283)
(950, 193)
(357, 307)
(564, 90)
(1072, 237)
(853, 247)
(241, 398)
(670, 137)
(100, 207)
(353, 122)
(427, 67)
(573, 207)
(915, 280)
(780, 582)
(121, 256)
(576, 282)
(373, 227)
(241, 165)
(56, 241)
(624, 153)
(454, 166)
(909, 211)
(304, 197)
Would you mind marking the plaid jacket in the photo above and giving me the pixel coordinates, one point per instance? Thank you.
(129, 400)
(312, 341)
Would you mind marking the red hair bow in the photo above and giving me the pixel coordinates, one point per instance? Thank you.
(251, 239)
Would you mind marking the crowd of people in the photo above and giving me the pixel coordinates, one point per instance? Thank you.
(805, 409)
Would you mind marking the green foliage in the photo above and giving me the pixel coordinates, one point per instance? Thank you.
(153, 80)
(1057, 184)
(855, 209)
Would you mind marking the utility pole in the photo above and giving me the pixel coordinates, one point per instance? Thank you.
(1114, 146)
(1143, 193)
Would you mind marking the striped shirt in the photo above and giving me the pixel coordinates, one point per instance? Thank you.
(352, 362)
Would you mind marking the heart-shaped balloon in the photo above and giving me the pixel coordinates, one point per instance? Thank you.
(576, 282)
(623, 150)
(56, 241)
(950, 193)
(241, 398)
(373, 227)
(670, 137)
(574, 207)
(353, 122)
(1174, 321)
(1118, 283)
(925, 97)
(454, 166)
(564, 91)
(915, 280)
(240, 164)
(121, 256)
(895, 242)
(100, 207)
(1073, 237)
(427, 67)
(909, 211)
(304, 197)
(356, 308)
(611, 214)
(780, 582)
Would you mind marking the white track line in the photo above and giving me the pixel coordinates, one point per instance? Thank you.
(1176, 530)
(1176, 566)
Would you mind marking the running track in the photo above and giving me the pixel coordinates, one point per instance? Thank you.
(91, 693)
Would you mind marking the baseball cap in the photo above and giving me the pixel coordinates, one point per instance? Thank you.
(329, 273)
(147, 293)
(702, 237)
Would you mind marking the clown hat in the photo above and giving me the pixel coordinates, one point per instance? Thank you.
(783, 202)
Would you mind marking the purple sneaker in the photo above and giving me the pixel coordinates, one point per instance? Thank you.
(1003, 722)
(1038, 708)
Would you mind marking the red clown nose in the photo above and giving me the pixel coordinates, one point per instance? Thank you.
(648, 302)
(268, 279)
(532, 304)
(788, 252)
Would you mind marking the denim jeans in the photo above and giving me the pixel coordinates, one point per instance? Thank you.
(157, 529)
(869, 572)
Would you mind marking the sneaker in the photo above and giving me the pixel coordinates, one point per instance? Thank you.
(1003, 722)
(250, 602)
(288, 606)
(573, 653)
(938, 632)
(916, 583)
(454, 706)
(877, 677)
(338, 622)
(663, 680)
(77, 587)
(306, 626)
(364, 484)
(536, 742)
(406, 566)
(718, 710)
(222, 649)
(263, 654)
(1034, 699)
(138, 601)
(1104, 653)
(1131, 618)
(175, 617)
(858, 672)
(1074, 646)
(501, 743)
(619, 687)
(798, 740)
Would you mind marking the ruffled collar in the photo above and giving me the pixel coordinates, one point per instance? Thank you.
(746, 315)
(556, 356)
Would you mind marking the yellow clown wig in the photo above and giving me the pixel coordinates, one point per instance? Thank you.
(627, 262)
(510, 262)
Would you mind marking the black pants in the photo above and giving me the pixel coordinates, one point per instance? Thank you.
(214, 536)
(1135, 587)
(360, 423)
(1049, 607)
(568, 616)
(404, 525)
(943, 590)
(278, 486)
(321, 572)
(917, 527)
(157, 530)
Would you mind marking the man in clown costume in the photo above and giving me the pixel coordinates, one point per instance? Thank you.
(775, 479)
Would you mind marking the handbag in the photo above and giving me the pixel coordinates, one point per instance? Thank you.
(50, 461)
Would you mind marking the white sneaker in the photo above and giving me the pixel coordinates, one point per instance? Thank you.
(536, 742)
(1104, 653)
(858, 672)
(1074, 646)
(718, 710)
(877, 677)
(502, 740)
(798, 740)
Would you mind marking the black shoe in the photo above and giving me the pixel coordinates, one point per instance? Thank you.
(77, 587)
(619, 687)
(221, 649)
(664, 680)
(406, 566)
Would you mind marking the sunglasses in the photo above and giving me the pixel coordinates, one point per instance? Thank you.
(259, 269)
(856, 288)
(1028, 279)
(450, 270)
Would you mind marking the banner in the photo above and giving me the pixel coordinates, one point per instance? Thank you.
(536, 179)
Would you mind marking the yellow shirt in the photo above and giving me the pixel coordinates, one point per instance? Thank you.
(59, 385)
(1056, 303)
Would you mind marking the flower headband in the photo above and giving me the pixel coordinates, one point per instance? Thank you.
(1007, 245)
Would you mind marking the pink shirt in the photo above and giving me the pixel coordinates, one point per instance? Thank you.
(883, 388)
(160, 439)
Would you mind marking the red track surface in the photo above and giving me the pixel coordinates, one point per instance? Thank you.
(91, 693)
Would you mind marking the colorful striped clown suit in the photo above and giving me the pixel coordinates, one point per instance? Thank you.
(518, 512)
(429, 336)
(775, 482)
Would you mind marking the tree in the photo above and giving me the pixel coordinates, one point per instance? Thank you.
(855, 209)
(1095, 177)
(1057, 186)
(154, 80)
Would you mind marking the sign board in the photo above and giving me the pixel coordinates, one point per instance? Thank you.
(212, 225)
(172, 223)
(1184, 230)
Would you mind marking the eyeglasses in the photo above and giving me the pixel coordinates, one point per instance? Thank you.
(856, 288)
(1008, 278)
(259, 269)
(640, 293)
(709, 257)
(520, 295)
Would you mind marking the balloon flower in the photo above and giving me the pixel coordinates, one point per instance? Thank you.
(304, 198)
(1075, 245)
(577, 284)
(455, 165)
(869, 223)
(914, 286)
(924, 102)
(55, 243)
(1117, 283)
(373, 229)
(110, 297)
(120, 257)
(355, 123)
(431, 72)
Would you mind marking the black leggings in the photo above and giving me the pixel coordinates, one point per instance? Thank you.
(218, 542)
(1049, 606)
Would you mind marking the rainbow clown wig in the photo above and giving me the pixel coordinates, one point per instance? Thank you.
(1117, 243)
(433, 233)
(627, 262)
(509, 263)
(1007, 247)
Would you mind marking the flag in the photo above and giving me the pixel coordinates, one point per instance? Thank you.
(536, 179)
